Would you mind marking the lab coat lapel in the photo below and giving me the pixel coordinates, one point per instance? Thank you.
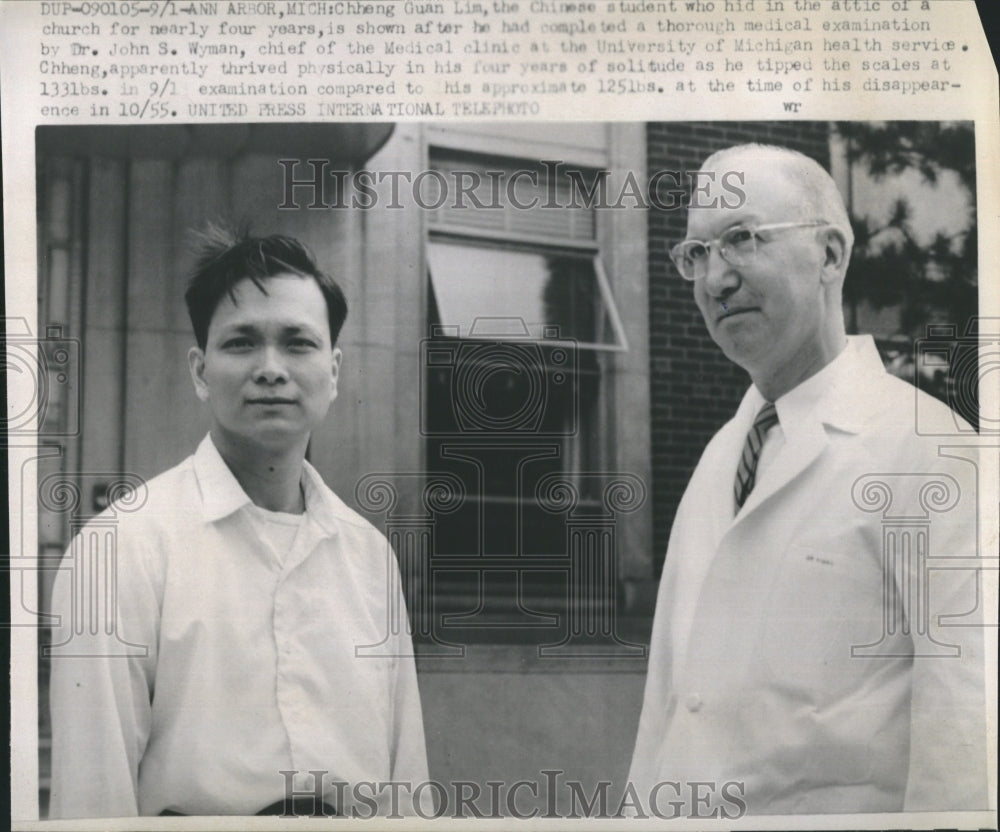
(850, 400)
(801, 449)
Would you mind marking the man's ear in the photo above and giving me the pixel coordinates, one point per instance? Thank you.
(335, 372)
(836, 254)
(196, 364)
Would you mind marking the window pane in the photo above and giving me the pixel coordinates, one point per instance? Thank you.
(505, 286)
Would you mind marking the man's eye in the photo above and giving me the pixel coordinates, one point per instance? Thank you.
(240, 343)
(739, 236)
(697, 252)
(302, 344)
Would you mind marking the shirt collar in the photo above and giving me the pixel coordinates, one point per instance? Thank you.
(222, 494)
(843, 394)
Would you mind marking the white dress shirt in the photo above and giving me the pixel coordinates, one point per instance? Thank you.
(250, 667)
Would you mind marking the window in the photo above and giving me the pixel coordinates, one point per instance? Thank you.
(521, 318)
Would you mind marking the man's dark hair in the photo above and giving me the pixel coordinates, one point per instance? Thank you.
(225, 258)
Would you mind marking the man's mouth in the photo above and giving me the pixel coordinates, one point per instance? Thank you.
(732, 311)
(271, 400)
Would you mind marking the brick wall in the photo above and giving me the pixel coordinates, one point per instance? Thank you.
(695, 388)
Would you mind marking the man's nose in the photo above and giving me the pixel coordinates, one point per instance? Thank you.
(271, 367)
(721, 277)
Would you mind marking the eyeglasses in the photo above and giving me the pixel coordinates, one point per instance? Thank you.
(736, 245)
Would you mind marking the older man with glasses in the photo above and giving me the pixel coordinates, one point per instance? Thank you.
(799, 655)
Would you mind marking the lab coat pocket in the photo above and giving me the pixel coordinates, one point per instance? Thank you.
(821, 603)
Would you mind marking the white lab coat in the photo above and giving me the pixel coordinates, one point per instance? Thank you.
(768, 692)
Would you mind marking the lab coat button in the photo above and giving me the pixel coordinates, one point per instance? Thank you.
(693, 702)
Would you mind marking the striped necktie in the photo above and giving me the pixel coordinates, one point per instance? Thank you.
(747, 471)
